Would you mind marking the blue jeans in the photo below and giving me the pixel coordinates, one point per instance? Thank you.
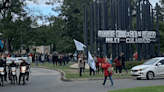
(30, 68)
(123, 66)
(36, 63)
(110, 77)
(50, 60)
(67, 62)
(42, 62)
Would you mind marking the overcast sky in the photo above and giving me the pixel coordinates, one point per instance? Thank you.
(153, 2)
(47, 9)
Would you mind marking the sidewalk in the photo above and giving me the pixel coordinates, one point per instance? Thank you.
(76, 66)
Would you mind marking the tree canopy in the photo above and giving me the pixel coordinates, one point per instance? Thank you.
(60, 30)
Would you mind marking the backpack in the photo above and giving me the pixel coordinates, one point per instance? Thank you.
(110, 69)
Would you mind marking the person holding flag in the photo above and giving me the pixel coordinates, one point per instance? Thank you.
(91, 70)
(80, 64)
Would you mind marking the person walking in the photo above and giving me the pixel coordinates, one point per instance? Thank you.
(67, 59)
(56, 59)
(29, 60)
(36, 59)
(53, 59)
(118, 64)
(85, 60)
(71, 56)
(91, 70)
(42, 59)
(64, 60)
(80, 64)
(108, 71)
(50, 58)
(61, 60)
(123, 62)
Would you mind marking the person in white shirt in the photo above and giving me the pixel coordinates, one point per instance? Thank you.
(29, 60)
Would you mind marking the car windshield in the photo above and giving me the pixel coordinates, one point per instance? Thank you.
(150, 62)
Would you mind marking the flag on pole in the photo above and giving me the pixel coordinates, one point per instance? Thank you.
(91, 61)
(79, 45)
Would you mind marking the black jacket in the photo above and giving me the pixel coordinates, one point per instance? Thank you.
(12, 65)
(24, 64)
(2, 65)
(123, 60)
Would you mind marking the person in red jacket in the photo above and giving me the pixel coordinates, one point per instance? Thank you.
(102, 61)
(97, 64)
(136, 56)
(118, 64)
(108, 69)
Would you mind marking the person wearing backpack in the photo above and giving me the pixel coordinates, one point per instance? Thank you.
(108, 71)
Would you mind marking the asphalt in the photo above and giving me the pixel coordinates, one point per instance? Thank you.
(46, 80)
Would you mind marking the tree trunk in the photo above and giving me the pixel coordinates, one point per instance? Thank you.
(7, 44)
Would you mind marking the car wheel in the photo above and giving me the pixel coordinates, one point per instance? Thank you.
(150, 75)
(138, 78)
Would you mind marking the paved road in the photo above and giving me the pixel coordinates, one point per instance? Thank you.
(44, 80)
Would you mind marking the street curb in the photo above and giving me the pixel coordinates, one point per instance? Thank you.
(79, 79)
(60, 71)
(91, 79)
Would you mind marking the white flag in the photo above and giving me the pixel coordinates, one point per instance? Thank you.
(91, 61)
(79, 45)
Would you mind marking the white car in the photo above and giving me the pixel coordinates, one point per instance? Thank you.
(150, 69)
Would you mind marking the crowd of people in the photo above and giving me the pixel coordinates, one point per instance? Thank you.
(56, 59)
(103, 63)
(119, 63)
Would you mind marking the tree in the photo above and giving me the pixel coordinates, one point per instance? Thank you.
(72, 14)
(13, 13)
(65, 45)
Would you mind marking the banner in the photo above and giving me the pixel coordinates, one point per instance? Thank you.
(91, 62)
(16, 59)
(79, 45)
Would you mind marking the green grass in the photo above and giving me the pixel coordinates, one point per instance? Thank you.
(73, 73)
(142, 89)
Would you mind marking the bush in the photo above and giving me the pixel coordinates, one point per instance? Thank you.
(130, 64)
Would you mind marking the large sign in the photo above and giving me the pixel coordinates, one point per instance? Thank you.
(118, 36)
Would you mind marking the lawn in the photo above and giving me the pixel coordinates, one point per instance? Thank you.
(73, 73)
(142, 89)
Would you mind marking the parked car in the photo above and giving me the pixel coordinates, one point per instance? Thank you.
(150, 69)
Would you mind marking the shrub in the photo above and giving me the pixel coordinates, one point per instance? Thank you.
(130, 64)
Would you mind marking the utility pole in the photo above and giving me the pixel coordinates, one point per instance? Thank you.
(21, 41)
